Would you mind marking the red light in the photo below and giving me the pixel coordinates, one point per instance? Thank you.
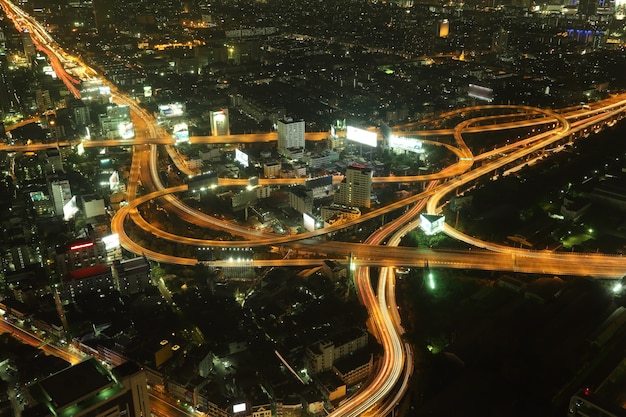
(81, 246)
(587, 391)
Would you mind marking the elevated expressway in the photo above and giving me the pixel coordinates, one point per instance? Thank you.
(378, 398)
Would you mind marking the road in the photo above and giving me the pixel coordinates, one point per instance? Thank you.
(378, 397)
(65, 353)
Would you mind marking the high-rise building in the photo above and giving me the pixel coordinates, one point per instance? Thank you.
(61, 194)
(356, 188)
(443, 28)
(79, 254)
(88, 389)
(54, 163)
(290, 135)
(219, 123)
(103, 12)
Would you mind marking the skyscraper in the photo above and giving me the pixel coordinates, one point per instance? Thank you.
(356, 188)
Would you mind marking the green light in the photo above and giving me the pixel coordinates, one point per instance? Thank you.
(431, 281)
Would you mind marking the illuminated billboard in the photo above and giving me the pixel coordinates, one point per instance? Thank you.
(70, 209)
(171, 110)
(147, 91)
(79, 246)
(362, 136)
(47, 69)
(126, 130)
(309, 222)
(111, 242)
(181, 132)
(241, 157)
(114, 181)
(481, 93)
(432, 223)
(104, 91)
(239, 408)
(408, 144)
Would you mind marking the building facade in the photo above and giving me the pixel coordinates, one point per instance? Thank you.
(356, 189)
(290, 135)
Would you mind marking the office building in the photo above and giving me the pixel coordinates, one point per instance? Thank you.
(116, 123)
(79, 254)
(443, 28)
(61, 194)
(300, 199)
(290, 135)
(272, 169)
(93, 206)
(322, 355)
(93, 279)
(356, 188)
(220, 125)
(54, 161)
(88, 389)
(132, 276)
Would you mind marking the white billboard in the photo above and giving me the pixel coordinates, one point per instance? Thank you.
(239, 408)
(409, 144)
(362, 136)
(308, 221)
(70, 209)
(181, 132)
(480, 92)
(111, 241)
(126, 130)
(241, 157)
(171, 110)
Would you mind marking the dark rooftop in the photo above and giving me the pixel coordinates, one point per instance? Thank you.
(75, 383)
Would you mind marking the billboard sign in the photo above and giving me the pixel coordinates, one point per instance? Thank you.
(171, 110)
(409, 144)
(481, 93)
(126, 130)
(70, 209)
(362, 136)
(241, 157)
(181, 132)
(111, 241)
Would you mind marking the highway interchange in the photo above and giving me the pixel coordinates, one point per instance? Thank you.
(388, 385)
